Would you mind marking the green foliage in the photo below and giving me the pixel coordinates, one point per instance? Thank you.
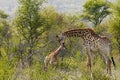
(70, 68)
(30, 26)
(114, 23)
(3, 14)
(28, 19)
(4, 25)
(116, 8)
(50, 17)
(34, 26)
(5, 33)
(5, 69)
(95, 11)
(102, 30)
(5, 48)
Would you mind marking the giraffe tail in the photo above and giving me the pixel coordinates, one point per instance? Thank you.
(113, 62)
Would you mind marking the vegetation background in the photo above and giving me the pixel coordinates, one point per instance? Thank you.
(30, 36)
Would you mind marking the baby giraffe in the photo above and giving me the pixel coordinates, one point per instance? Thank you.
(52, 57)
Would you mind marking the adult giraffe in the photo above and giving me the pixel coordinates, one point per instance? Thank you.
(92, 41)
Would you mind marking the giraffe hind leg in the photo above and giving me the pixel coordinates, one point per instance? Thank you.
(108, 65)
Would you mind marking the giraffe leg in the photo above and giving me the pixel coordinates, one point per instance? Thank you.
(108, 65)
(89, 62)
(46, 62)
(55, 63)
(107, 60)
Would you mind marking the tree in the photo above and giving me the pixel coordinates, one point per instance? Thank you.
(5, 46)
(95, 11)
(114, 23)
(5, 33)
(3, 15)
(29, 24)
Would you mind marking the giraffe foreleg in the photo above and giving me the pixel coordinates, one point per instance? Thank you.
(46, 62)
(54, 62)
(89, 61)
(89, 64)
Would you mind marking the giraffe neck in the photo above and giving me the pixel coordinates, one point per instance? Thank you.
(56, 52)
(88, 35)
(74, 33)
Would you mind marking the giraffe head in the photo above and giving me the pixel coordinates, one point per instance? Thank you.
(61, 40)
(63, 46)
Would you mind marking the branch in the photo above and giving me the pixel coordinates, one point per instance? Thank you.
(45, 44)
(33, 52)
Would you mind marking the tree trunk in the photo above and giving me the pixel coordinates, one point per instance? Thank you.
(29, 58)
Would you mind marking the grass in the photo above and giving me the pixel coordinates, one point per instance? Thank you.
(74, 68)
(71, 68)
